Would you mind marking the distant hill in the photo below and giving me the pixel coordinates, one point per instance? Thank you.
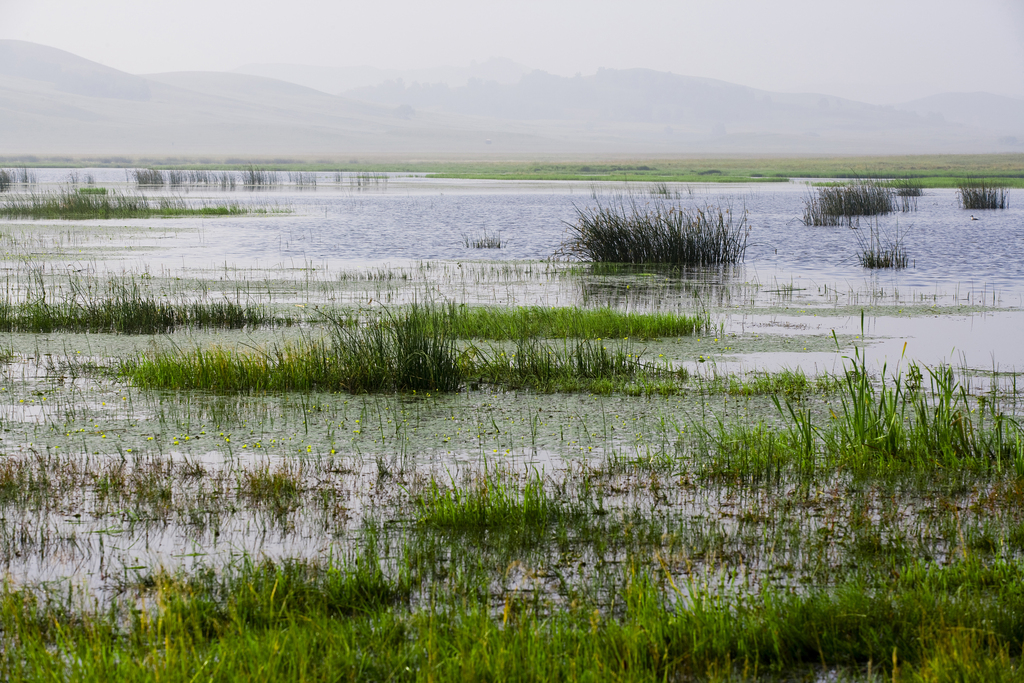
(55, 103)
(336, 80)
(1002, 115)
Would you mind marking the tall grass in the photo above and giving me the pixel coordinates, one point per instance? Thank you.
(302, 179)
(255, 177)
(975, 193)
(127, 310)
(840, 204)
(882, 250)
(146, 177)
(6, 180)
(67, 204)
(486, 241)
(350, 620)
(659, 232)
(412, 349)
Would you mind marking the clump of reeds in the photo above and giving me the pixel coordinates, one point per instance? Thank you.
(92, 190)
(907, 187)
(67, 204)
(366, 180)
(255, 177)
(980, 193)
(226, 180)
(146, 177)
(6, 179)
(486, 241)
(659, 232)
(840, 204)
(302, 179)
(882, 250)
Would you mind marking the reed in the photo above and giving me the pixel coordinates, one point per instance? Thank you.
(92, 190)
(907, 187)
(975, 193)
(302, 179)
(882, 250)
(255, 177)
(486, 241)
(146, 177)
(659, 232)
(840, 204)
(6, 179)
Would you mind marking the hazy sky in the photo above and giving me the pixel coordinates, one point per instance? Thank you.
(874, 50)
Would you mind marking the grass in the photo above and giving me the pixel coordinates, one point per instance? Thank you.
(92, 190)
(520, 322)
(6, 180)
(414, 349)
(255, 177)
(486, 241)
(974, 193)
(127, 310)
(840, 204)
(269, 620)
(71, 205)
(882, 250)
(660, 232)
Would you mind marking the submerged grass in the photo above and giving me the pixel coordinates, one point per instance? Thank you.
(71, 205)
(657, 232)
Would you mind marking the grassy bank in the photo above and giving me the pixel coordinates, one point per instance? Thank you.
(940, 170)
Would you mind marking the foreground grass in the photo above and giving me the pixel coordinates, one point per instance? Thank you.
(71, 205)
(266, 621)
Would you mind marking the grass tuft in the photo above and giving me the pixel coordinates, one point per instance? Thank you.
(982, 194)
(659, 232)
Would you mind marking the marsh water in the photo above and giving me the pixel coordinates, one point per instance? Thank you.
(799, 299)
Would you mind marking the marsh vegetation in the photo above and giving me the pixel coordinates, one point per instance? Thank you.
(483, 470)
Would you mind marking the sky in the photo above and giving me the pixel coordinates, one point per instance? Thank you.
(879, 51)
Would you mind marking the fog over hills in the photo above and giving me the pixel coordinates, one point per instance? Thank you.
(53, 102)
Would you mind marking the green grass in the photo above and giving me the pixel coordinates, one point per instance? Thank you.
(504, 323)
(71, 205)
(128, 311)
(936, 170)
(92, 190)
(293, 620)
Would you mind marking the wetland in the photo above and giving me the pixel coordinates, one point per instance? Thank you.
(325, 434)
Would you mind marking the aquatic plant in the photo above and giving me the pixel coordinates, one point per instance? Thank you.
(302, 179)
(840, 204)
(486, 241)
(980, 193)
(146, 177)
(66, 204)
(659, 232)
(255, 177)
(882, 250)
(6, 179)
